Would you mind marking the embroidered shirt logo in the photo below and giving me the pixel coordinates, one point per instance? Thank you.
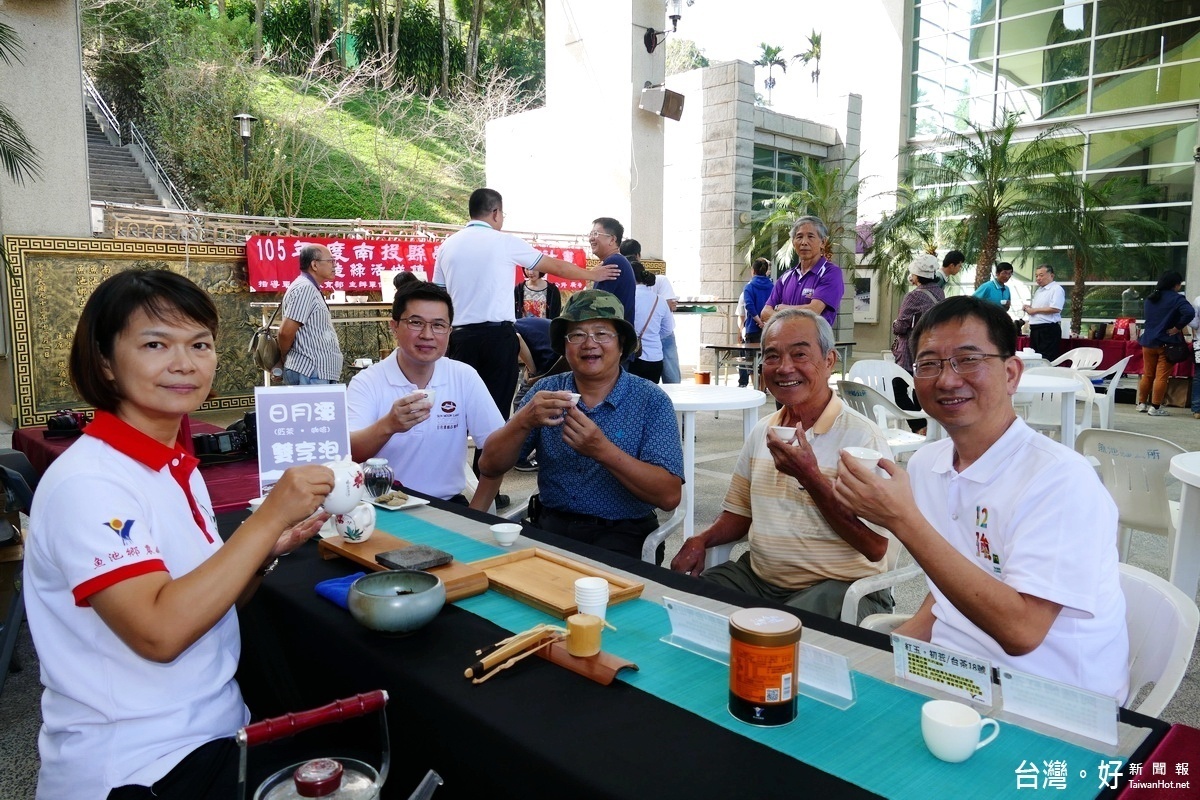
(121, 528)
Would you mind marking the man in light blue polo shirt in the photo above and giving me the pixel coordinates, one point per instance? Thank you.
(996, 291)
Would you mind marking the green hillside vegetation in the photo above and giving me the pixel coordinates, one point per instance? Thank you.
(383, 154)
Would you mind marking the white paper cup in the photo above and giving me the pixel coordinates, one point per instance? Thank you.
(505, 533)
(951, 730)
(784, 432)
(595, 609)
(866, 456)
(591, 596)
(575, 398)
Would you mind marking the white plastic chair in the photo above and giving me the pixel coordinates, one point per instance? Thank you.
(1081, 358)
(1106, 390)
(889, 578)
(1044, 411)
(1162, 623)
(517, 512)
(1134, 468)
(883, 412)
(878, 374)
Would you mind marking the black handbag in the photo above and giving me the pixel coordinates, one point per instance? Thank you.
(1176, 352)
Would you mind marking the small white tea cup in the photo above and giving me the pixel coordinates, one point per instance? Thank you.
(785, 432)
(951, 730)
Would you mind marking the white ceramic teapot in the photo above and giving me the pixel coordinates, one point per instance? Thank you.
(358, 525)
(348, 487)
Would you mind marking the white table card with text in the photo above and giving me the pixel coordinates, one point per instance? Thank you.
(950, 671)
(299, 425)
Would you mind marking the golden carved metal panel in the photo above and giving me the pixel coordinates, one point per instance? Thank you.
(50, 279)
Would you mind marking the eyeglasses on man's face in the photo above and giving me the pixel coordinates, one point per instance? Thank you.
(599, 337)
(598, 234)
(324, 260)
(963, 365)
(417, 325)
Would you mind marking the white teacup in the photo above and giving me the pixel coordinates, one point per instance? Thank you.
(784, 432)
(357, 525)
(430, 395)
(951, 730)
(866, 456)
(348, 487)
(575, 398)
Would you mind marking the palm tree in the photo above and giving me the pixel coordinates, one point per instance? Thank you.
(830, 192)
(813, 53)
(770, 59)
(1088, 219)
(982, 185)
(16, 153)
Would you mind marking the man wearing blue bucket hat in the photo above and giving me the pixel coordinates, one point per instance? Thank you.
(608, 446)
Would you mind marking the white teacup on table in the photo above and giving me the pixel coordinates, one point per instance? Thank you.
(951, 730)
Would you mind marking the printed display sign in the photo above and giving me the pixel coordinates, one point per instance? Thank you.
(273, 262)
(948, 670)
(299, 425)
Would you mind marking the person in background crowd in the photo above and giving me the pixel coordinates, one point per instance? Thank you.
(607, 458)
(537, 357)
(308, 344)
(806, 548)
(815, 282)
(632, 249)
(1196, 353)
(605, 239)
(996, 290)
(1045, 313)
(1167, 313)
(652, 321)
(925, 294)
(402, 279)
(951, 265)
(753, 300)
(1015, 574)
(536, 297)
(390, 416)
(131, 595)
(476, 266)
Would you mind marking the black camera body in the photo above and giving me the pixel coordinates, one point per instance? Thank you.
(63, 424)
(225, 443)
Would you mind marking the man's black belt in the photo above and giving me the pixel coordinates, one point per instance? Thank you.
(481, 325)
(600, 522)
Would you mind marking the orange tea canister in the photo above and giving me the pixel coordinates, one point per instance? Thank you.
(764, 658)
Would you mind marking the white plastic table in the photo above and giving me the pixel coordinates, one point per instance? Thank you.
(1185, 561)
(687, 400)
(1050, 384)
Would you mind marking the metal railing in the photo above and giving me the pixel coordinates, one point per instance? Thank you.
(131, 221)
(105, 111)
(163, 177)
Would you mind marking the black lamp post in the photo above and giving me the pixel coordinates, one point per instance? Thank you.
(245, 121)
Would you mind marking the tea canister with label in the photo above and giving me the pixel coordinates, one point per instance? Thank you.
(764, 658)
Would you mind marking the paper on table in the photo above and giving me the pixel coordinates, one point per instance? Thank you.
(1067, 707)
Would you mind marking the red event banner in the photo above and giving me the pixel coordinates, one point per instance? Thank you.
(272, 262)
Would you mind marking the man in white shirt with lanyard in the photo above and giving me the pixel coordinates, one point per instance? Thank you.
(477, 265)
(308, 344)
(1045, 313)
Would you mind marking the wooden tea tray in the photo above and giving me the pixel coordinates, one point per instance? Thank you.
(546, 580)
(461, 580)
(601, 668)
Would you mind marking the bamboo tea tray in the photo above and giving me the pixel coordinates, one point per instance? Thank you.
(546, 580)
(461, 580)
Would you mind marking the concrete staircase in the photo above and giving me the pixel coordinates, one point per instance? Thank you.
(116, 176)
